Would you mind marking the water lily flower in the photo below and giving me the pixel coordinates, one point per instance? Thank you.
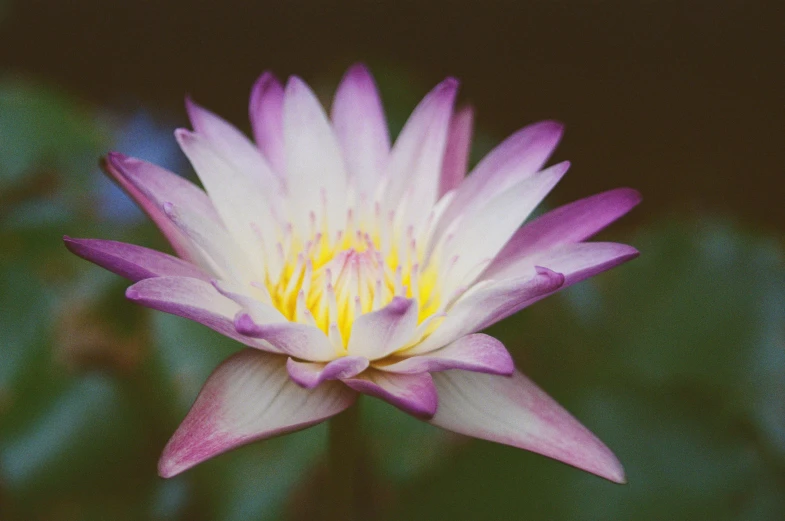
(347, 264)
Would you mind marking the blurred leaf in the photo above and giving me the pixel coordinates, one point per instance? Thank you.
(40, 127)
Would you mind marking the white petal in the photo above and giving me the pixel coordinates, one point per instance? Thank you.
(514, 411)
(316, 174)
(377, 334)
(247, 398)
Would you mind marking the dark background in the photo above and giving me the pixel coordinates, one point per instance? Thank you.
(676, 360)
(685, 100)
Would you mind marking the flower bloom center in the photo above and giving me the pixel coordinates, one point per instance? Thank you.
(328, 280)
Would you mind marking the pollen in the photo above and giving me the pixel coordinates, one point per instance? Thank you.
(330, 279)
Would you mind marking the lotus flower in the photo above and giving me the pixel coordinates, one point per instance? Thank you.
(349, 265)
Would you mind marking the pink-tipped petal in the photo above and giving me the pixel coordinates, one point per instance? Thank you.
(311, 374)
(361, 128)
(377, 334)
(266, 114)
(247, 201)
(249, 397)
(193, 299)
(314, 164)
(478, 352)
(570, 223)
(518, 157)
(232, 144)
(577, 261)
(412, 393)
(298, 340)
(456, 156)
(131, 261)
(150, 185)
(414, 169)
(514, 411)
(486, 303)
(484, 231)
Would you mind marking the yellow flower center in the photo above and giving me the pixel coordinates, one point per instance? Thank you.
(330, 281)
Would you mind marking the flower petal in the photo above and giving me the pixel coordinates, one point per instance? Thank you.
(570, 223)
(361, 129)
(413, 172)
(314, 165)
(487, 303)
(412, 393)
(150, 185)
(514, 411)
(456, 156)
(377, 334)
(249, 397)
(232, 144)
(298, 340)
(266, 114)
(478, 352)
(309, 374)
(193, 299)
(577, 261)
(472, 245)
(247, 201)
(131, 261)
(518, 157)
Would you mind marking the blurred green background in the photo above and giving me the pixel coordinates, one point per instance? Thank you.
(676, 361)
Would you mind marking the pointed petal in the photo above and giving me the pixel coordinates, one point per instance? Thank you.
(232, 144)
(266, 114)
(193, 299)
(150, 186)
(486, 303)
(472, 246)
(131, 261)
(247, 398)
(577, 261)
(478, 352)
(314, 165)
(309, 374)
(412, 393)
(414, 169)
(298, 340)
(361, 129)
(514, 411)
(518, 157)
(246, 201)
(456, 156)
(377, 334)
(570, 223)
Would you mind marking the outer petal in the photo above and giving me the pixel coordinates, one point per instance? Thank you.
(487, 303)
(377, 334)
(249, 397)
(478, 352)
(361, 128)
(266, 114)
(412, 177)
(472, 245)
(514, 411)
(193, 299)
(519, 156)
(131, 261)
(412, 393)
(298, 340)
(309, 374)
(246, 200)
(150, 185)
(576, 261)
(456, 156)
(315, 168)
(232, 144)
(570, 223)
